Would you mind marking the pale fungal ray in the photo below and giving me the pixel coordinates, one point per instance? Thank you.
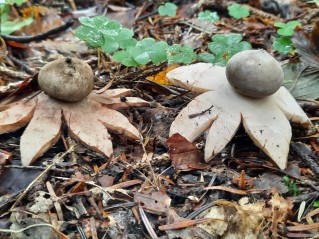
(83, 124)
(42, 132)
(16, 115)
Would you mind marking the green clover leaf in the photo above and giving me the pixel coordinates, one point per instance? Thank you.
(168, 9)
(149, 50)
(90, 35)
(223, 47)
(283, 45)
(125, 38)
(286, 29)
(208, 16)
(99, 32)
(125, 58)
(238, 11)
(180, 54)
(206, 57)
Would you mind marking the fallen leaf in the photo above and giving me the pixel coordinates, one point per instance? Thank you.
(185, 156)
(302, 81)
(160, 77)
(156, 202)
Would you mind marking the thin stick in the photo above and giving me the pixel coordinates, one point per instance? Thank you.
(191, 116)
(39, 177)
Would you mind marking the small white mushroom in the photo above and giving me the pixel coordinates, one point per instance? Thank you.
(254, 73)
(67, 79)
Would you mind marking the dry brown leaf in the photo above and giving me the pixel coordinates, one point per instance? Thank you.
(185, 156)
(156, 202)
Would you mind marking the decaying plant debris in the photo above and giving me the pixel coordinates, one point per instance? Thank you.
(132, 159)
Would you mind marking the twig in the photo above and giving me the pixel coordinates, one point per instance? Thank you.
(39, 37)
(23, 65)
(13, 73)
(191, 116)
(184, 224)
(39, 177)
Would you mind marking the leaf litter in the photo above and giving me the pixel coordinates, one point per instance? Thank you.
(119, 174)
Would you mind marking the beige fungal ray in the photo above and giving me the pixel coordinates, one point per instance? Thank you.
(195, 118)
(84, 125)
(112, 93)
(43, 131)
(117, 122)
(290, 107)
(118, 103)
(16, 115)
(200, 77)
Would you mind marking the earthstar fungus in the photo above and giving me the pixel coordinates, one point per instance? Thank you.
(220, 110)
(88, 115)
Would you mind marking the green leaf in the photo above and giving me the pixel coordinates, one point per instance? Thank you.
(224, 46)
(149, 50)
(9, 27)
(238, 11)
(315, 204)
(181, 54)
(168, 9)
(90, 35)
(208, 16)
(217, 48)
(158, 53)
(87, 21)
(110, 45)
(301, 81)
(286, 29)
(100, 22)
(206, 57)
(233, 39)
(280, 24)
(139, 55)
(283, 45)
(18, 2)
(241, 46)
(220, 38)
(111, 29)
(125, 38)
(125, 58)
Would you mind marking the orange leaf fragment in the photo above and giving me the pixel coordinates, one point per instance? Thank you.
(160, 77)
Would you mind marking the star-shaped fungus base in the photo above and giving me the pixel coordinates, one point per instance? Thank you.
(88, 121)
(220, 110)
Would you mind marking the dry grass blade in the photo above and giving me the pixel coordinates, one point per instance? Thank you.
(146, 222)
